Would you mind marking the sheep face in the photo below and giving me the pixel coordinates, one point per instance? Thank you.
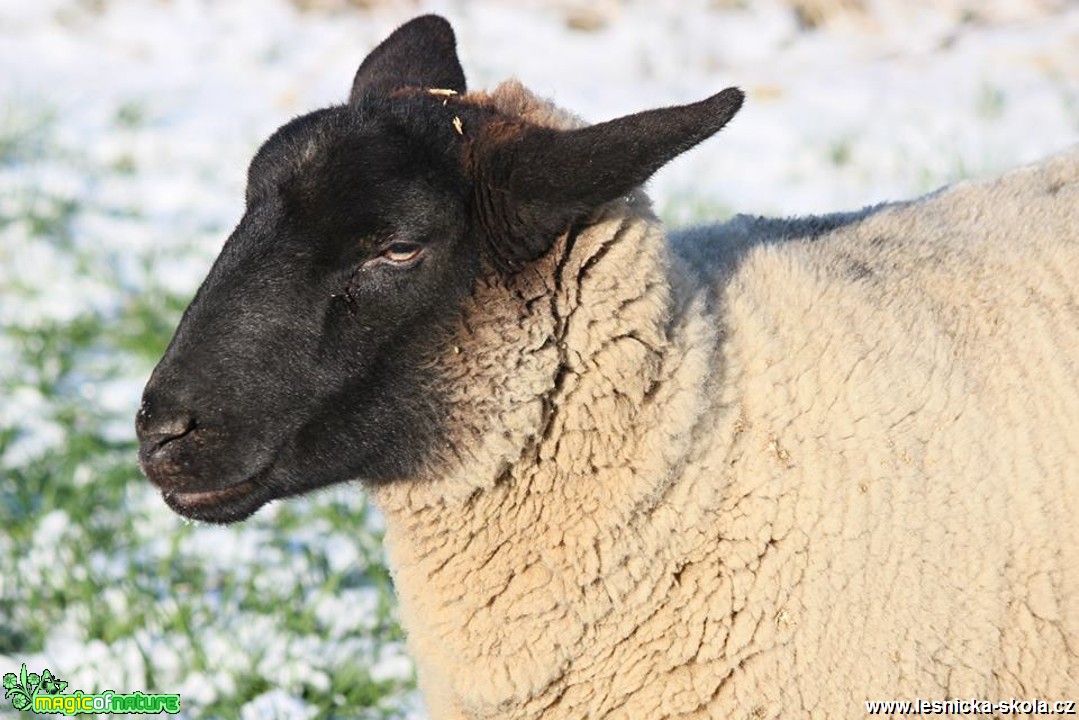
(309, 356)
(303, 354)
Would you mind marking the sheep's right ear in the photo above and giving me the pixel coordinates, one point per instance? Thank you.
(532, 184)
(421, 53)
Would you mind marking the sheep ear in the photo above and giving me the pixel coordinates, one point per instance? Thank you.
(537, 182)
(420, 53)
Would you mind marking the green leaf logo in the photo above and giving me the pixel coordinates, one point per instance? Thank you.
(18, 689)
(22, 688)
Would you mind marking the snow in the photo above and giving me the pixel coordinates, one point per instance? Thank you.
(25, 408)
(278, 705)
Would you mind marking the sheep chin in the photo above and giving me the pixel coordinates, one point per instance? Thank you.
(222, 506)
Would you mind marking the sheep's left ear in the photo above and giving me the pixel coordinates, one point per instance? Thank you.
(532, 184)
(421, 53)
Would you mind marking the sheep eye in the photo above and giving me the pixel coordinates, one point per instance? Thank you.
(401, 253)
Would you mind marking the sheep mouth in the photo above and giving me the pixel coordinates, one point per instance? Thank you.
(225, 505)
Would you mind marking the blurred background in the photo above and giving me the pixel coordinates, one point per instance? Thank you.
(125, 131)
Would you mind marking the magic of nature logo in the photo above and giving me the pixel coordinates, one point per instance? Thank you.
(44, 693)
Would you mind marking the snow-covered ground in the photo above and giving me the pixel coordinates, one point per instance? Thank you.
(125, 131)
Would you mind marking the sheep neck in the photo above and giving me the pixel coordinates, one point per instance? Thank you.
(577, 428)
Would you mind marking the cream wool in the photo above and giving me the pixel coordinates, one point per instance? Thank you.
(771, 469)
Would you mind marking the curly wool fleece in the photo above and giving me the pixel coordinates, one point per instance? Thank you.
(772, 468)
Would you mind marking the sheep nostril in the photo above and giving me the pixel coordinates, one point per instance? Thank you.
(155, 433)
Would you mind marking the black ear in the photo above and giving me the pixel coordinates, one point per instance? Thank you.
(533, 183)
(421, 53)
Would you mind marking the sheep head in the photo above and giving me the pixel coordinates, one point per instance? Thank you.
(309, 355)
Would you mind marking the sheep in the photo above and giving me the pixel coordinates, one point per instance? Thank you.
(769, 468)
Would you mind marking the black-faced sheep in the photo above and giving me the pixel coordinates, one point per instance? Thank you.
(765, 469)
